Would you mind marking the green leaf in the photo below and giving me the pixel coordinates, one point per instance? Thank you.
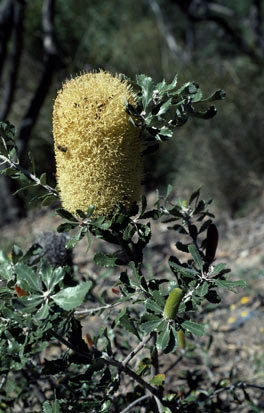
(72, 297)
(135, 273)
(127, 322)
(30, 302)
(143, 205)
(66, 215)
(43, 179)
(43, 312)
(90, 211)
(196, 256)
(150, 323)
(74, 240)
(164, 337)
(158, 297)
(26, 278)
(105, 260)
(6, 270)
(203, 289)
(153, 306)
(54, 408)
(217, 95)
(48, 200)
(163, 109)
(218, 268)
(230, 284)
(158, 380)
(147, 87)
(16, 253)
(183, 270)
(193, 327)
(195, 196)
(49, 276)
(66, 227)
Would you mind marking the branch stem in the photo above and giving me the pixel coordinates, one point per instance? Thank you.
(32, 177)
(110, 361)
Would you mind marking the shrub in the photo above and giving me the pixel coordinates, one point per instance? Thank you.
(100, 370)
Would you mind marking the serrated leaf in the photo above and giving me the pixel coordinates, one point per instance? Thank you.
(163, 338)
(128, 324)
(194, 328)
(147, 86)
(153, 306)
(105, 260)
(43, 312)
(183, 270)
(72, 297)
(230, 284)
(218, 268)
(158, 297)
(26, 278)
(151, 324)
(203, 289)
(49, 276)
(6, 270)
(164, 108)
(196, 256)
(135, 273)
(74, 240)
(66, 215)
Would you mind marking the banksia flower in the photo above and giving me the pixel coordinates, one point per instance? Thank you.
(97, 149)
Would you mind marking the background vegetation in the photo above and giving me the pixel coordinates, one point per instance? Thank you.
(217, 43)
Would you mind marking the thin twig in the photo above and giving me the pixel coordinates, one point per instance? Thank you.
(240, 385)
(33, 178)
(134, 403)
(96, 309)
(175, 363)
(109, 361)
(137, 349)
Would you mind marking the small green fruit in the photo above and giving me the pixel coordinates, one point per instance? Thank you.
(172, 303)
(182, 341)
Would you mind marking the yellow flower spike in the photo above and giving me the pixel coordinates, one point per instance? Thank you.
(97, 149)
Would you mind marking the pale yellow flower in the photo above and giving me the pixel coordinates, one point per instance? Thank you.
(97, 149)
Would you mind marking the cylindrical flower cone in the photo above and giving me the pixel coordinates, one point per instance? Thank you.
(97, 149)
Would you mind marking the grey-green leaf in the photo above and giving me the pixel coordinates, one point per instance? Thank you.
(163, 338)
(196, 256)
(26, 278)
(230, 284)
(193, 327)
(72, 297)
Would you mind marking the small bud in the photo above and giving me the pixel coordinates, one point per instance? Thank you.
(182, 341)
(115, 291)
(172, 303)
